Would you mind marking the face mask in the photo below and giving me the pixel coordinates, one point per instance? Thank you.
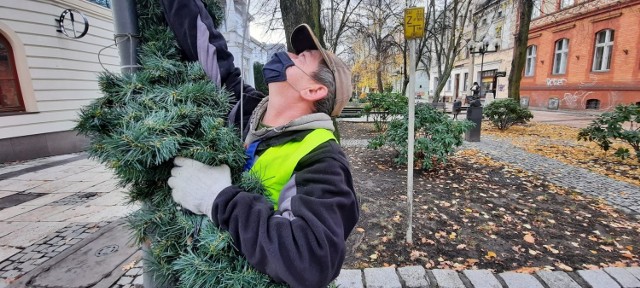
(275, 69)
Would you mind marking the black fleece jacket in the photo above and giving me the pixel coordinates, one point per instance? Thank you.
(303, 246)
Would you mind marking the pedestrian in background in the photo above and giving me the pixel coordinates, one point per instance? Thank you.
(457, 107)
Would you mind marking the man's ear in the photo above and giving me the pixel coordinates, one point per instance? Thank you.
(315, 92)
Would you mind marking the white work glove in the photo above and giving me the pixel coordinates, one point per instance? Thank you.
(195, 185)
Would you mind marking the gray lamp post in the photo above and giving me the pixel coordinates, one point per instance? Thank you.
(482, 48)
(474, 112)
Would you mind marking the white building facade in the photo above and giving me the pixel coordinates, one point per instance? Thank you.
(492, 23)
(46, 76)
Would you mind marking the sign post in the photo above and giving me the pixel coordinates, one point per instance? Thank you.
(413, 29)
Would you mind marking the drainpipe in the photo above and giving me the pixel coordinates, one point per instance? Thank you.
(125, 22)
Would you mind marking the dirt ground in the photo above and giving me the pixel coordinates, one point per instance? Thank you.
(475, 212)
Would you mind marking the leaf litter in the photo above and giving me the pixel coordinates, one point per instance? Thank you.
(474, 212)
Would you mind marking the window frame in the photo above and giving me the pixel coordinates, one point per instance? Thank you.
(16, 79)
(566, 3)
(530, 61)
(563, 52)
(536, 11)
(607, 51)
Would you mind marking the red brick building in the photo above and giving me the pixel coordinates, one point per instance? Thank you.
(583, 54)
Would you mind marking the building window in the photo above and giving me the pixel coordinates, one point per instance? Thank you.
(603, 52)
(560, 56)
(466, 78)
(565, 3)
(530, 66)
(593, 104)
(537, 9)
(449, 84)
(104, 3)
(10, 95)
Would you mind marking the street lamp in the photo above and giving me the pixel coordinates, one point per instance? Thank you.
(483, 48)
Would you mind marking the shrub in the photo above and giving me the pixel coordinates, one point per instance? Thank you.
(436, 137)
(505, 113)
(611, 125)
(382, 105)
(259, 78)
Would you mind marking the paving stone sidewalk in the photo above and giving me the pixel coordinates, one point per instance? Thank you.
(416, 276)
(47, 205)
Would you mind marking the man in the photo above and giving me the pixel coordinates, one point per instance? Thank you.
(299, 236)
(475, 89)
(457, 107)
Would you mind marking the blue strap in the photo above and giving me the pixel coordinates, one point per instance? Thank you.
(251, 155)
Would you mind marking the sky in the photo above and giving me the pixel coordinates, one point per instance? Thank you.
(260, 33)
(259, 10)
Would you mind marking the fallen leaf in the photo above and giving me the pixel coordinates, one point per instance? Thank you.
(427, 241)
(529, 239)
(564, 267)
(415, 254)
(129, 266)
(490, 255)
(471, 261)
(551, 249)
(607, 248)
(533, 252)
(627, 254)
(461, 246)
(528, 270)
(630, 248)
(590, 267)
(373, 256)
(360, 229)
(452, 235)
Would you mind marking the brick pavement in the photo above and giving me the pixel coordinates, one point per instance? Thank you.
(56, 204)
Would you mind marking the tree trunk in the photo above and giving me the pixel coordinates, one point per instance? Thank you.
(520, 48)
(296, 12)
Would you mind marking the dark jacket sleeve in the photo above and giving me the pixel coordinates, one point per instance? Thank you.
(200, 41)
(307, 248)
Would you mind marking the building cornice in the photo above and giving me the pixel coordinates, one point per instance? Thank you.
(581, 16)
(579, 87)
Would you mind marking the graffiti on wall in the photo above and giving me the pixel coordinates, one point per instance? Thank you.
(576, 99)
(556, 81)
(501, 87)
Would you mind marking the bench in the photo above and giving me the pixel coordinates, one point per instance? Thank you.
(349, 112)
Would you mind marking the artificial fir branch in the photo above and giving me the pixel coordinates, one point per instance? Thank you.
(144, 120)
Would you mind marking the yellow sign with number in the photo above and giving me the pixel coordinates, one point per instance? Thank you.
(414, 23)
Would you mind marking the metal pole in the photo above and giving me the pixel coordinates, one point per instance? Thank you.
(125, 22)
(481, 70)
(411, 95)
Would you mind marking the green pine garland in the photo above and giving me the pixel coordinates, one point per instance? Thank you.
(167, 109)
